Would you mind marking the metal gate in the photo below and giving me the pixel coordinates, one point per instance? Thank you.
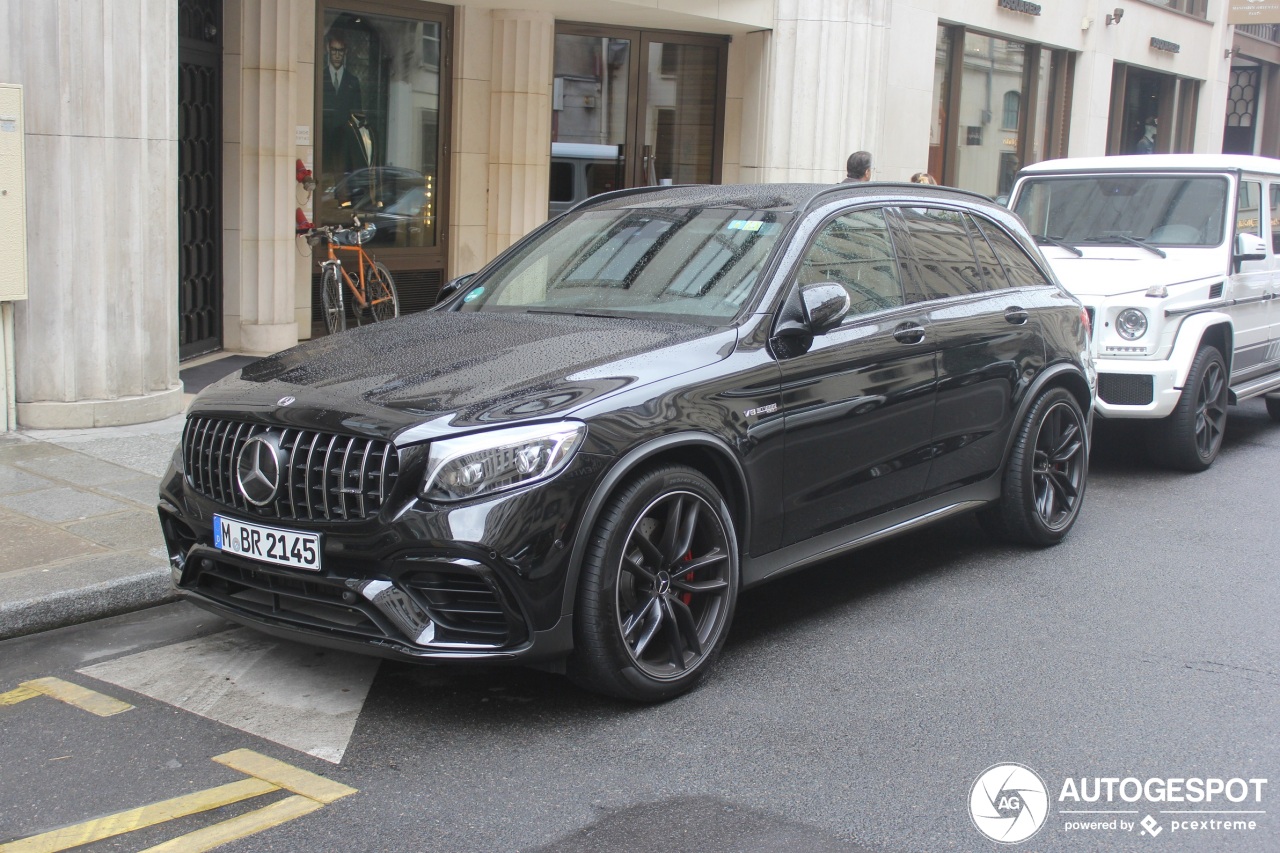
(199, 177)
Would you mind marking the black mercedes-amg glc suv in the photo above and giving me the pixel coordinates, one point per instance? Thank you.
(662, 397)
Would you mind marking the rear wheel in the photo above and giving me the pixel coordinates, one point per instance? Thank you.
(335, 314)
(1044, 484)
(658, 588)
(384, 302)
(1190, 438)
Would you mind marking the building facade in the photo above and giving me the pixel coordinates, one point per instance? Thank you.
(172, 149)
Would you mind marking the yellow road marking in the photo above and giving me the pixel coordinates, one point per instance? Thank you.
(286, 776)
(127, 821)
(238, 827)
(19, 694)
(81, 697)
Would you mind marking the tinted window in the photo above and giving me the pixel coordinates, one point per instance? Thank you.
(561, 181)
(1021, 269)
(993, 277)
(602, 178)
(855, 251)
(945, 262)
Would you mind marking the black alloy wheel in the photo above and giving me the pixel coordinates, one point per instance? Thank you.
(1043, 487)
(1191, 437)
(658, 588)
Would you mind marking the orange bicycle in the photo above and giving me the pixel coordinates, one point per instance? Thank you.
(373, 291)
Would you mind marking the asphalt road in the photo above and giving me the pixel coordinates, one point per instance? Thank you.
(853, 708)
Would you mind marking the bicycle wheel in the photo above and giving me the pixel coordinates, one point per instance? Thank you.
(335, 314)
(384, 302)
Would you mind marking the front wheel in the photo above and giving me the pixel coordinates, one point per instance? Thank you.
(335, 314)
(658, 588)
(384, 302)
(1190, 438)
(1043, 486)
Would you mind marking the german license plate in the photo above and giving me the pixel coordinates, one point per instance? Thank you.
(269, 544)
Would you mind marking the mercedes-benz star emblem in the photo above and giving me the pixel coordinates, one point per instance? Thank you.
(286, 401)
(258, 469)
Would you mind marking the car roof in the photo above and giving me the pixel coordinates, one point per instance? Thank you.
(782, 197)
(1148, 162)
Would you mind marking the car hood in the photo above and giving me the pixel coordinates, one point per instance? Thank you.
(1112, 270)
(459, 371)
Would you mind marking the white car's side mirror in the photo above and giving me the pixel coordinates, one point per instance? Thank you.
(1250, 247)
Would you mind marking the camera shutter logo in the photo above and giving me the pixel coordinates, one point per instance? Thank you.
(1008, 803)
(258, 469)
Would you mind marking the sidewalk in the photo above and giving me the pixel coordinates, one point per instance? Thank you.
(79, 536)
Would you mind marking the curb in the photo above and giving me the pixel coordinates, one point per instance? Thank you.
(60, 608)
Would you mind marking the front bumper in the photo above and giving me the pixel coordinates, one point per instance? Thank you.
(1136, 389)
(481, 582)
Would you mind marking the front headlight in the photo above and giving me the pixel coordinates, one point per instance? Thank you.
(1131, 324)
(489, 462)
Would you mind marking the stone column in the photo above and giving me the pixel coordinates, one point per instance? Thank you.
(96, 344)
(822, 96)
(519, 124)
(261, 116)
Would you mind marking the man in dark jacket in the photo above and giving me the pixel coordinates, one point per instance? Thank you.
(858, 167)
(341, 99)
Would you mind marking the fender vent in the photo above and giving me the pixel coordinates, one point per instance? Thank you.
(1215, 292)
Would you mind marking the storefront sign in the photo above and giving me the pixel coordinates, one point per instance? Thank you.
(1253, 11)
(1027, 8)
(1166, 46)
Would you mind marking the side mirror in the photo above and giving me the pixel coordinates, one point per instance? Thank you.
(814, 309)
(1250, 247)
(452, 287)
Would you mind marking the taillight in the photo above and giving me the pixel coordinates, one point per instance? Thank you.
(1087, 323)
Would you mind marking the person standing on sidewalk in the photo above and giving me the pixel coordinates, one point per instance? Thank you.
(858, 167)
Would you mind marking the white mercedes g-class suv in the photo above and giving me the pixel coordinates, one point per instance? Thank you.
(1177, 260)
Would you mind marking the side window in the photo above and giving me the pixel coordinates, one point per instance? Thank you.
(1249, 208)
(855, 251)
(1021, 269)
(945, 263)
(993, 276)
(561, 181)
(1275, 218)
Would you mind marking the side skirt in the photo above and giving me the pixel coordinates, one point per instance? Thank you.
(756, 570)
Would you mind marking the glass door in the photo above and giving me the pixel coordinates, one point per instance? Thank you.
(634, 108)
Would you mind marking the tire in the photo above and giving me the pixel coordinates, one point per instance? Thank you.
(384, 302)
(1190, 438)
(335, 313)
(1273, 408)
(642, 631)
(1043, 486)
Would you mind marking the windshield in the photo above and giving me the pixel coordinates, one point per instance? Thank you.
(1163, 210)
(697, 264)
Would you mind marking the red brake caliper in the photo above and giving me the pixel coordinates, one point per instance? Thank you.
(687, 597)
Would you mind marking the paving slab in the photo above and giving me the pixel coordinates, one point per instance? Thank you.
(14, 480)
(78, 469)
(123, 531)
(25, 543)
(143, 491)
(62, 504)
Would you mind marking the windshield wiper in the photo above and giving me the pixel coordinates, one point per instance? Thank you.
(1045, 238)
(575, 313)
(1133, 241)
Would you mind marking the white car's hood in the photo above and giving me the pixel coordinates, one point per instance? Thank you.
(1112, 271)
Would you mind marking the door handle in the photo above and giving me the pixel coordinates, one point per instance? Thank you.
(908, 333)
(1015, 315)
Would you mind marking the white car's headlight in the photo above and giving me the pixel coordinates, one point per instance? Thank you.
(1131, 324)
(489, 462)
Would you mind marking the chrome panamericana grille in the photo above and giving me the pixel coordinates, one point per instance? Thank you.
(324, 477)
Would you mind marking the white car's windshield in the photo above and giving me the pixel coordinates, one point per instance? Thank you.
(1160, 210)
(699, 264)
